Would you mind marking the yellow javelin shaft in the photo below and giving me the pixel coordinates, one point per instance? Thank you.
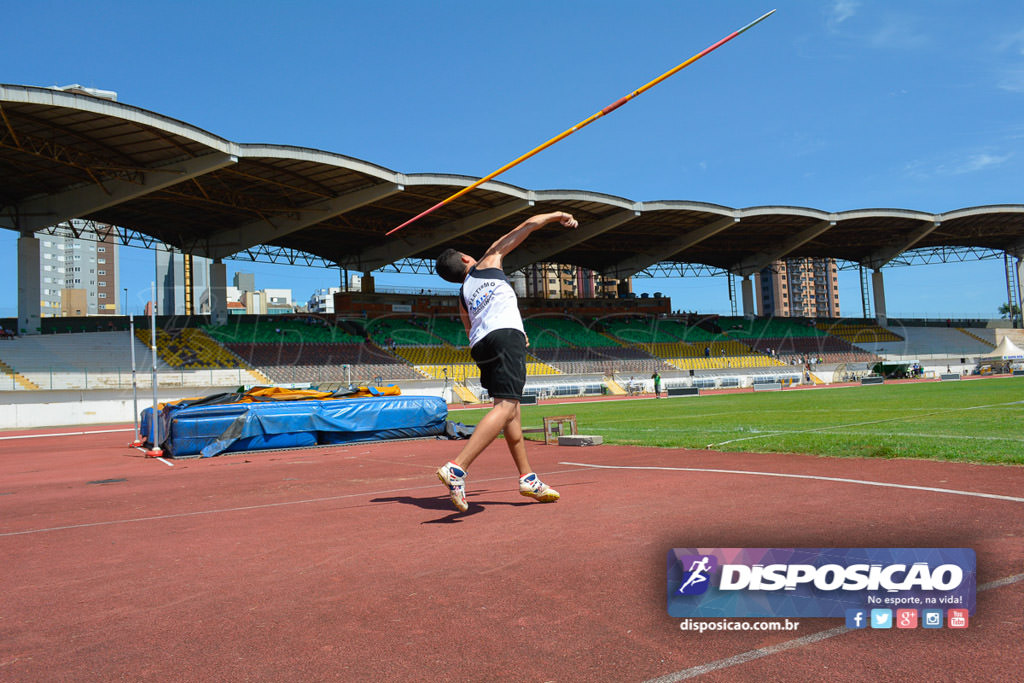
(585, 122)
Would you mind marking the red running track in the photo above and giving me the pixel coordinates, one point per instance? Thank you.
(346, 563)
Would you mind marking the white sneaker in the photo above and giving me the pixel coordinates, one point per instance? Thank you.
(531, 485)
(454, 477)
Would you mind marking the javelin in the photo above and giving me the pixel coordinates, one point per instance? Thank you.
(585, 122)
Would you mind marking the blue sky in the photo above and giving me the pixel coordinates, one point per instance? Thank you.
(831, 104)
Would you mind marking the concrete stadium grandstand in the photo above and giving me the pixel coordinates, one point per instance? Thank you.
(76, 160)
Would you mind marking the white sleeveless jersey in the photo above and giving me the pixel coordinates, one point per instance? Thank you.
(491, 303)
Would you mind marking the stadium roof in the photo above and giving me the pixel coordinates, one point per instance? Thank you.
(65, 155)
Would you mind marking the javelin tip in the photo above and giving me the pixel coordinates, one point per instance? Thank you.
(756, 21)
(585, 122)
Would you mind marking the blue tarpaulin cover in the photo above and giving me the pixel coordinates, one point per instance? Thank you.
(209, 430)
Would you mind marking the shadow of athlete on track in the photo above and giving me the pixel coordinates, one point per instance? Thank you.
(445, 503)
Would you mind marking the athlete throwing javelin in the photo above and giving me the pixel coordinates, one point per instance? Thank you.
(497, 340)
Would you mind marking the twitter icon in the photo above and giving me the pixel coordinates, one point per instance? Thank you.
(881, 618)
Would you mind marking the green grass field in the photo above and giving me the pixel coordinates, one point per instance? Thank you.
(969, 421)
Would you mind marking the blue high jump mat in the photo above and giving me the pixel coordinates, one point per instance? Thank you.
(207, 428)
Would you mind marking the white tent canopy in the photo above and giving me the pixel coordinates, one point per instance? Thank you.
(1006, 350)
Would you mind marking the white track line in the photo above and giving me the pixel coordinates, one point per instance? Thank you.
(751, 655)
(842, 480)
(43, 436)
(748, 656)
(999, 583)
(243, 508)
(146, 453)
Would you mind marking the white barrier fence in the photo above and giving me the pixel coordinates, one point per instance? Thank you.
(117, 378)
(36, 409)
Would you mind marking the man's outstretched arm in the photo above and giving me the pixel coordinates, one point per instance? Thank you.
(492, 258)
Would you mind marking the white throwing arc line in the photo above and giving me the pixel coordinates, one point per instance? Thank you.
(842, 480)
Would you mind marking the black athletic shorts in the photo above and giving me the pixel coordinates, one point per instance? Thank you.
(501, 357)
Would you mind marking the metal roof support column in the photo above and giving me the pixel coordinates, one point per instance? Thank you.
(1015, 272)
(29, 309)
(879, 289)
(218, 293)
(1013, 293)
(730, 280)
(865, 291)
(1020, 287)
(747, 288)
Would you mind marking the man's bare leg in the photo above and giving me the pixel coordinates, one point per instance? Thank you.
(516, 443)
(529, 483)
(453, 474)
(505, 415)
(487, 430)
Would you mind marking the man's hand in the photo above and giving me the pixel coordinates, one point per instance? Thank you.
(492, 258)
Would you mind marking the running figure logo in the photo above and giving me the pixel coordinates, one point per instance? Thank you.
(697, 572)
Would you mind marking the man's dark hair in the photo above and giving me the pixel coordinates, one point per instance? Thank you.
(450, 266)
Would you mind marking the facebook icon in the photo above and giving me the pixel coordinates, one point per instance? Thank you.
(856, 618)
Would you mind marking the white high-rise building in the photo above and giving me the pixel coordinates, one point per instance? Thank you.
(78, 277)
(322, 300)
